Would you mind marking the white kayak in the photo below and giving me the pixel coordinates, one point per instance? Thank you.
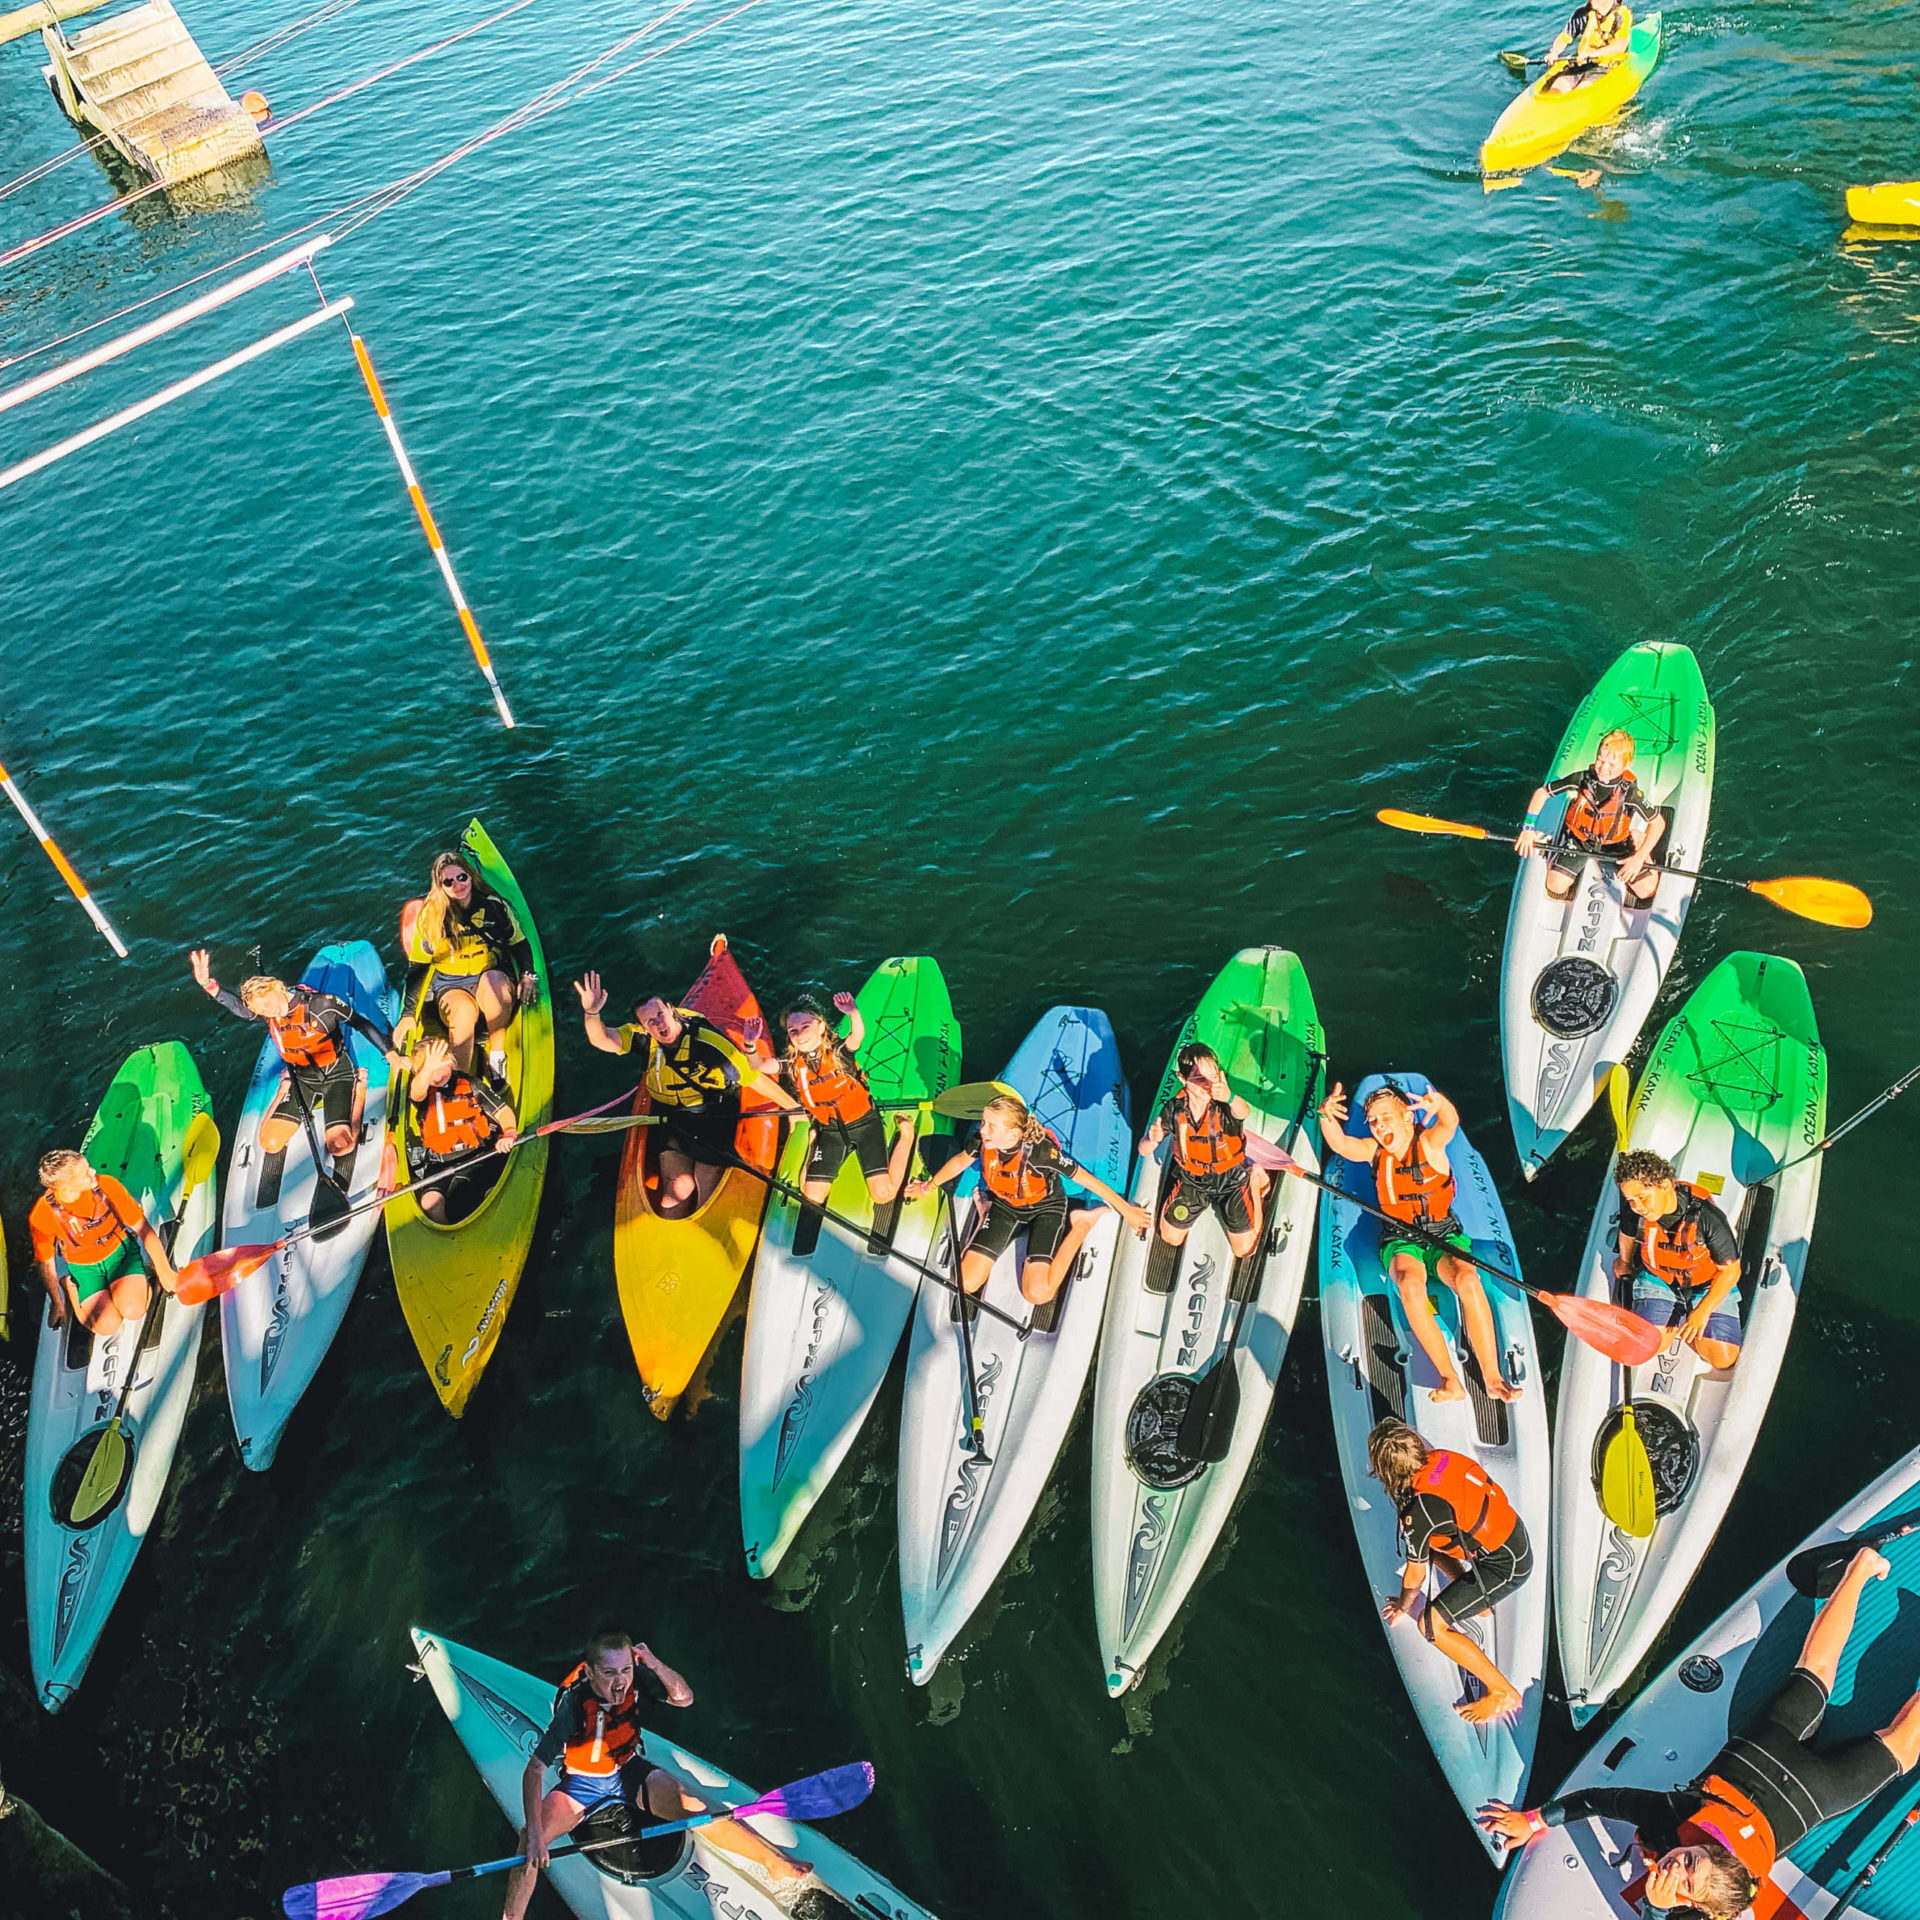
(1375, 1368)
(499, 1712)
(277, 1324)
(1673, 1730)
(831, 1298)
(1580, 976)
(74, 1574)
(1157, 1510)
(961, 1516)
(1735, 1087)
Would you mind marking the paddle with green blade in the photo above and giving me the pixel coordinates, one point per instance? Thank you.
(968, 1101)
(1626, 1474)
(107, 1470)
(1833, 903)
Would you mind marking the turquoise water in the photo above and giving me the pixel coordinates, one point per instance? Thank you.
(1021, 485)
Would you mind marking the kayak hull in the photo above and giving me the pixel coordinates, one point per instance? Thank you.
(456, 1282)
(824, 1322)
(75, 1575)
(960, 1518)
(1892, 203)
(277, 1324)
(1735, 1086)
(1168, 1312)
(1579, 977)
(678, 1277)
(1679, 1722)
(1538, 124)
(499, 1712)
(1376, 1369)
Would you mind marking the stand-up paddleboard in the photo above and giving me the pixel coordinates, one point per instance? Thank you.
(1724, 1676)
(1375, 1368)
(277, 1324)
(74, 1574)
(1735, 1088)
(499, 1713)
(1157, 1510)
(961, 1516)
(677, 1277)
(830, 1300)
(1580, 975)
(456, 1279)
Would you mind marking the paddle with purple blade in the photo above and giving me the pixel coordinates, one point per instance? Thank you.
(359, 1896)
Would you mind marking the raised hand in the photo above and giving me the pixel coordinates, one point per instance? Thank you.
(843, 1003)
(202, 964)
(1334, 1106)
(593, 996)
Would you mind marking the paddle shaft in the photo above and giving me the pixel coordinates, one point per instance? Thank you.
(619, 1840)
(969, 1380)
(1864, 1878)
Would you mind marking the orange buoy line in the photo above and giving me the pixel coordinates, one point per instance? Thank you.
(62, 865)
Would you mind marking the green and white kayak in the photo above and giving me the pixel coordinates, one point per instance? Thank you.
(830, 1301)
(1157, 1512)
(74, 1574)
(1734, 1094)
(1580, 975)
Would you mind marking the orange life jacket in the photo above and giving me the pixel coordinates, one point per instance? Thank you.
(1680, 1258)
(87, 1239)
(1486, 1517)
(1410, 1189)
(303, 1038)
(835, 1090)
(452, 1120)
(1011, 1177)
(1608, 824)
(610, 1735)
(1729, 1817)
(1213, 1144)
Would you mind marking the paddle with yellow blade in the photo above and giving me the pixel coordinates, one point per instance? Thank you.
(106, 1474)
(1833, 903)
(1626, 1474)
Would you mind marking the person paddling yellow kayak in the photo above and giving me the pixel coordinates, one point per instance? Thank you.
(1593, 40)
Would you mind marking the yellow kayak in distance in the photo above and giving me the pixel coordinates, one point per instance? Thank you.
(1893, 203)
(1538, 124)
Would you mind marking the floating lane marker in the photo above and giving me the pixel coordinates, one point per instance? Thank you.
(62, 864)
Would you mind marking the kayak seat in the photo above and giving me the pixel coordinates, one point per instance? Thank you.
(1382, 1361)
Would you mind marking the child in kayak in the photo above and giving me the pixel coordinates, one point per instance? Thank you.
(819, 1065)
(95, 1245)
(1207, 1121)
(455, 1118)
(1710, 1845)
(1592, 41)
(468, 950)
(694, 1076)
(309, 1030)
(1606, 814)
(596, 1741)
(1681, 1254)
(1023, 1175)
(1452, 1510)
(1415, 1186)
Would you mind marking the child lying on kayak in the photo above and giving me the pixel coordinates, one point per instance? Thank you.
(1596, 37)
(1710, 1845)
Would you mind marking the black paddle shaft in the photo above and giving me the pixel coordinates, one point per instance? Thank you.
(1816, 1571)
(976, 1439)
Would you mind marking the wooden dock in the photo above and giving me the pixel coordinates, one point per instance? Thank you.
(138, 80)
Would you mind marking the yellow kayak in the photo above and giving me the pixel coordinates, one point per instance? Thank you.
(1893, 203)
(678, 1277)
(1539, 124)
(457, 1281)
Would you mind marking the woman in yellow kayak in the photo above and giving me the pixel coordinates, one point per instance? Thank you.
(467, 948)
(1591, 42)
(694, 1076)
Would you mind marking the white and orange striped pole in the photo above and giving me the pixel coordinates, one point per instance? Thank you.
(62, 865)
(438, 545)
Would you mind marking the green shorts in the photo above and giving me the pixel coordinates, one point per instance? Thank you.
(97, 1278)
(1425, 1251)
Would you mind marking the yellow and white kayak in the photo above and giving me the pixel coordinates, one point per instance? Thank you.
(1893, 203)
(1539, 124)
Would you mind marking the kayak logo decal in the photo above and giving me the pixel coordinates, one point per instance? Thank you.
(794, 1421)
(1617, 1569)
(1198, 1278)
(1701, 1672)
(1572, 996)
(718, 1894)
(1597, 905)
(1144, 1558)
(73, 1580)
(503, 1713)
(953, 1525)
(277, 1324)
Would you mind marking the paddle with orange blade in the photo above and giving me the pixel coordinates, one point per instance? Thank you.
(1615, 1331)
(1833, 903)
(222, 1270)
